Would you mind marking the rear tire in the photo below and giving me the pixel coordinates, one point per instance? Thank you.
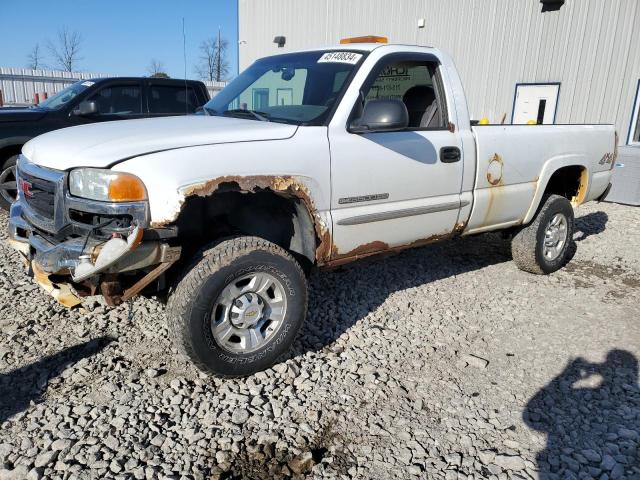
(542, 247)
(8, 185)
(239, 307)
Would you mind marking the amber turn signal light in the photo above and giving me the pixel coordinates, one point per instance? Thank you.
(126, 188)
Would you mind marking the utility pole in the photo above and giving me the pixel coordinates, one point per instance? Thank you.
(219, 59)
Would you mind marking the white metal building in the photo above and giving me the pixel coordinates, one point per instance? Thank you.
(550, 61)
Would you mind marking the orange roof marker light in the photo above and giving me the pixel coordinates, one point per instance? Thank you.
(365, 39)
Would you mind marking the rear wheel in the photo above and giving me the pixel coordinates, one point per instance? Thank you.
(239, 307)
(542, 247)
(8, 184)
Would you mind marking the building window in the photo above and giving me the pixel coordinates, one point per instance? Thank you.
(260, 98)
(535, 103)
(634, 127)
(284, 96)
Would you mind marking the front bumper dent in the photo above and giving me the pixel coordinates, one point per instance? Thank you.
(82, 259)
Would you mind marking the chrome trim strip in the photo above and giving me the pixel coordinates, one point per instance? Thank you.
(363, 198)
(407, 212)
(139, 211)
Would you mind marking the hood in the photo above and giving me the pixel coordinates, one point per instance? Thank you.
(21, 114)
(102, 145)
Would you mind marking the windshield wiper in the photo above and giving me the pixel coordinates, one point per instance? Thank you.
(262, 116)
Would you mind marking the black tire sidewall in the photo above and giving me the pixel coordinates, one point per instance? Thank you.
(205, 347)
(9, 162)
(557, 205)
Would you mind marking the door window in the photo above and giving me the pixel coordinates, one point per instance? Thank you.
(118, 100)
(413, 82)
(172, 99)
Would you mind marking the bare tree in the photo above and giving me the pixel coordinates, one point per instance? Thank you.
(35, 58)
(156, 69)
(66, 53)
(213, 59)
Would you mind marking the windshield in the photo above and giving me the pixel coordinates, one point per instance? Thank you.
(298, 88)
(66, 95)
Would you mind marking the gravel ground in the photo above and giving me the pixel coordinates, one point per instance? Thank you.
(442, 362)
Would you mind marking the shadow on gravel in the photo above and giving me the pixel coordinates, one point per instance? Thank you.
(591, 415)
(590, 224)
(339, 298)
(23, 385)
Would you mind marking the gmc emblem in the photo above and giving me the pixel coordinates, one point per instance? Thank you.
(26, 188)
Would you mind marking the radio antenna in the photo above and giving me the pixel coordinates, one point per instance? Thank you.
(184, 54)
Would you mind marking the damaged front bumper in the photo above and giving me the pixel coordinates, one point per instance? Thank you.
(71, 253)
(77, 266)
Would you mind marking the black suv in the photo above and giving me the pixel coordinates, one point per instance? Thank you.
(87, 101)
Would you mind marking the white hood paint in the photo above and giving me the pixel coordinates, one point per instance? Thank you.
(103, 144)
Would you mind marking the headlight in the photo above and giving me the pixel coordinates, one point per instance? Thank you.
(106, 185)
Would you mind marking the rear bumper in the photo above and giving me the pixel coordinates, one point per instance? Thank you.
(604, 194)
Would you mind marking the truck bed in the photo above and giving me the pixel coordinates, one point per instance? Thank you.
(514, 163)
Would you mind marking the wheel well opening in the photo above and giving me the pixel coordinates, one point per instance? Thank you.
(9, 151)
(277, 218)
(569, 182)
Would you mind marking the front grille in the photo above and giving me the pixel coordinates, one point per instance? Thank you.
(39, 194)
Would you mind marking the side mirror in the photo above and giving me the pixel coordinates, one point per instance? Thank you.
(381, 116)
(86, 108)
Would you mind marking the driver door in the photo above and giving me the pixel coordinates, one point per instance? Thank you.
(395, 189)
(116, 101)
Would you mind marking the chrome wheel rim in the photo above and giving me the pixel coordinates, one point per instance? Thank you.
(555, 236)
(249, 312)
(8, 184)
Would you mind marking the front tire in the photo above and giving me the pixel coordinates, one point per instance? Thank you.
(8, 184)
(542, 247)
(239, 307)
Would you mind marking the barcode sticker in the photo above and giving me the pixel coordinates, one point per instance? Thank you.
(340, 57)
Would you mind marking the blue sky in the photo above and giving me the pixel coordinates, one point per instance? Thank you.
(119, 37)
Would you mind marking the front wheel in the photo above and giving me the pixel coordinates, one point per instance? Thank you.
(8, 185)
(239, 307)
(542, 247)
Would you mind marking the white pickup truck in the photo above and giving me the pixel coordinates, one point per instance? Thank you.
(306, 159)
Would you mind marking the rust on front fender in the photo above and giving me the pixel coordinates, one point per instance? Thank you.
(283, 185)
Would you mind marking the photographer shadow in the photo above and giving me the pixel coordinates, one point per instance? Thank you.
(591, 415)
(590, 224)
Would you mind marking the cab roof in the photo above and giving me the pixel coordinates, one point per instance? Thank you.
(358, 47)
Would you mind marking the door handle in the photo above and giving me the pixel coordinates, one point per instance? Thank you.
(449, 154)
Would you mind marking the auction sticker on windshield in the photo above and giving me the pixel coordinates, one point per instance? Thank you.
(340, 57)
